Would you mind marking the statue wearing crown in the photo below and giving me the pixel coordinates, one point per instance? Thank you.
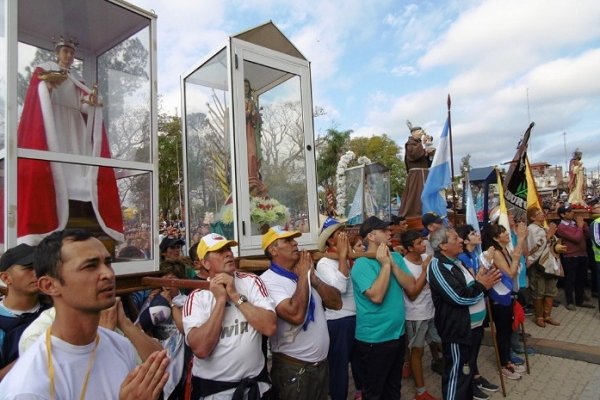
(63, 115)
(418, 154)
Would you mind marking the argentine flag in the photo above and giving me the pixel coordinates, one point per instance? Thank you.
(439, 178)
(471, 214)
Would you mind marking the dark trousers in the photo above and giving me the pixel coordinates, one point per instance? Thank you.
(293, 381)
(381, 366)
(341, 353)
(476, 337)
(575, 273)
(503, 316)
(457, 379)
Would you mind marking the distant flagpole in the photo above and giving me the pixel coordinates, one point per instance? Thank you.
(451, 160)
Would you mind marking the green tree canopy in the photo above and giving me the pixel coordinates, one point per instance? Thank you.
(330, 148)
(384, 150)
(170, 163)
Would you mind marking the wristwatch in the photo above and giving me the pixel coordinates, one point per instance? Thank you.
(241, 300)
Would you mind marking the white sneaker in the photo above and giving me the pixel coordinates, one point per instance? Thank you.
(519, 369)
(510, 374)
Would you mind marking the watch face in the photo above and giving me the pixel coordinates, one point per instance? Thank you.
(242, 299)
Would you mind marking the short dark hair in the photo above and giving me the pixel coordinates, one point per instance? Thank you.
(176, 268)
(408, 238)
(194, 252)
(47, 259)
(463, 232)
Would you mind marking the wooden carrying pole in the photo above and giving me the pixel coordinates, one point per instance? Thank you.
(522, 324)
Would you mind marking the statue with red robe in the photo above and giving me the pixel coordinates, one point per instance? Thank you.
(62, 115)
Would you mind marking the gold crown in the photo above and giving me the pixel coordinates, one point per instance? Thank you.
(68, 41)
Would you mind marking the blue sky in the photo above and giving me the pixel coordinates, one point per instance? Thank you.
(376, 64)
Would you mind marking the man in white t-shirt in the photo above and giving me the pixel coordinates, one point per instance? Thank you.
(86, 361)
(224, 327)
(420, 327)
(300, 346)
(334, 269)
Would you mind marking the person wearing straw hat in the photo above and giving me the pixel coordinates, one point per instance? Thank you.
(341, 324)
(300, 368)
(224, 326)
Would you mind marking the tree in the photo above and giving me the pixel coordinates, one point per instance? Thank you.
(465, 164)
(170, 164)
(329, 149)
(384, 150)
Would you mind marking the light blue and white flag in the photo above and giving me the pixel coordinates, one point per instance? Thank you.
(471, 213)
(439, 177)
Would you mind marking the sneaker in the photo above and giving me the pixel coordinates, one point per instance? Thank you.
(425, 396)
(509, 374)
(479, 394)
(571, 307)
(516, 360)
(406, 371)
(482, 383)
(437, 366)
(528, 310)
(520, 350)
(519, 369)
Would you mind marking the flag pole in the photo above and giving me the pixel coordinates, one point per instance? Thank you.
(451, 161)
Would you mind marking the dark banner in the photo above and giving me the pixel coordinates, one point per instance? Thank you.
(515, 182)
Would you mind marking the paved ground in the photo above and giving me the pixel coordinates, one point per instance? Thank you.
(566, 365)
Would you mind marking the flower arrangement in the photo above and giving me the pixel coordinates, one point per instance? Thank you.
(262, 211)
(341, 179)
(268, 211)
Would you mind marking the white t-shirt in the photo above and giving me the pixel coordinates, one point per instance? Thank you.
(238, 353)
(310, 345)
(29, 379)
(421, 308)
(328, 271)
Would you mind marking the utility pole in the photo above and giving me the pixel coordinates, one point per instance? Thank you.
(565, 144)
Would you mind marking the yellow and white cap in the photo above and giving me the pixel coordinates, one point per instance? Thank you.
(277, 232)
(213, 242)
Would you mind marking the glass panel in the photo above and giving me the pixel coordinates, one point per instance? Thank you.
(119, 202)
(354, 195)
(135, 195)
(210, 206)
(124, 84)
(2, 180)
(275, 148)
(377, 192)
(3, 57)
(29, 59)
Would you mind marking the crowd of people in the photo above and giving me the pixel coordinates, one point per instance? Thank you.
(369, 308)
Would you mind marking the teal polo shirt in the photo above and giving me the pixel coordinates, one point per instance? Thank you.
(377, 323)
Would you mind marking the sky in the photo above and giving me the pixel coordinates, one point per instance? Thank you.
(376, 64)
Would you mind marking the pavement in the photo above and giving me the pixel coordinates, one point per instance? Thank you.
(566, 365)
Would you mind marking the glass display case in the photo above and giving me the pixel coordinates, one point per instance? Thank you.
(78, 100)
(249, 141)
(368, 193)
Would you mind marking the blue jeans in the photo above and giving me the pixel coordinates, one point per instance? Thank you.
(341, 353)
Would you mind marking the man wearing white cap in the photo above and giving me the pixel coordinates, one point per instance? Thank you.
(224, 327)
(341, 323)
(300, 368)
